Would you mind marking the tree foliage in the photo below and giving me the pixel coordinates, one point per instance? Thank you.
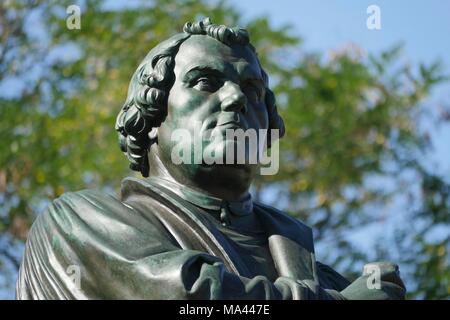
(352, 120)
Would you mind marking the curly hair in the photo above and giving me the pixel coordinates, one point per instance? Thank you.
(146, 105)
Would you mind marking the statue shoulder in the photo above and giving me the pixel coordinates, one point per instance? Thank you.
(281, 223)
(277, 213)
(86, 229)
(92, 216)
(83, 206)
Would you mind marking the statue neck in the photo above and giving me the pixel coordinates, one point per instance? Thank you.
(220, 183)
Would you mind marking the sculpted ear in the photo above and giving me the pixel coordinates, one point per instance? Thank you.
(275, 120)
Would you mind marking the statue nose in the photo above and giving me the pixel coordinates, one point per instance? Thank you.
(235, 100)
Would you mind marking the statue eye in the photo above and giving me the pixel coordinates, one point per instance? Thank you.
(209, 83)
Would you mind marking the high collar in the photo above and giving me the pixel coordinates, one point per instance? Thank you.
(239, 208)
(290, 241)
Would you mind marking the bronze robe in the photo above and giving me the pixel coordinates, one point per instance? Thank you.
(153, 244)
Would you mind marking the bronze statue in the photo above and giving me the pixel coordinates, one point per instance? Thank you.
(188, 230)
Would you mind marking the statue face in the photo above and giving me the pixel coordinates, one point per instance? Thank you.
(217, 87)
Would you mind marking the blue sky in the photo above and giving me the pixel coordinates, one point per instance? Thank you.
(422, 26)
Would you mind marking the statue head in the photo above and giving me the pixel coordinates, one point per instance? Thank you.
(206, 79)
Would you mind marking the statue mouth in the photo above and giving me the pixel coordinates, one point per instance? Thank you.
(223, 122)
(230, 125)
(228, 117)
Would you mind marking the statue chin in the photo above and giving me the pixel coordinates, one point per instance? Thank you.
(202, 174)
